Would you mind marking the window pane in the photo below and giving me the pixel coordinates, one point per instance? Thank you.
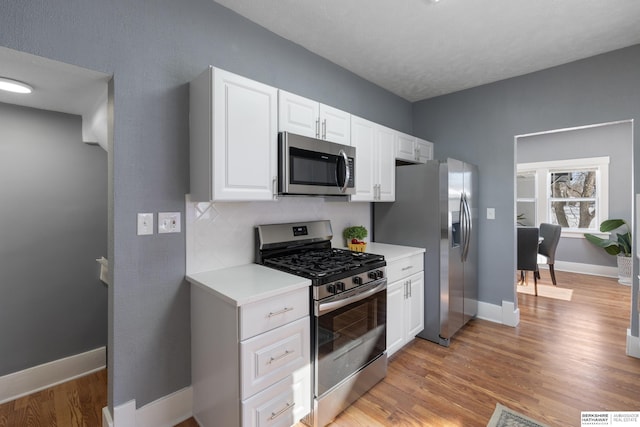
(578, 184)
(579, 214)
(526, 213)
(526, 185)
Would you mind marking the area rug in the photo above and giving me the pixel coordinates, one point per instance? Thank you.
(505, 417)
(546, 291)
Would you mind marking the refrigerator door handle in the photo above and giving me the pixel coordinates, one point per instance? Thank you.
(463, 228)
(467, 227)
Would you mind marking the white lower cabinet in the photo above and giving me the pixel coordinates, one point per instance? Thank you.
(250, 364)
(405, 301)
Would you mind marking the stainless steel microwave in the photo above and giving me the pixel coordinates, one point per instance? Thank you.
(310, 166)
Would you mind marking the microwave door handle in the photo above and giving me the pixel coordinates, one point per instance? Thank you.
(347, 174)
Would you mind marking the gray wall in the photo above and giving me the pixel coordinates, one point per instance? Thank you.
(54, 226)
(479, 125)
(154, 48)
(614, 141)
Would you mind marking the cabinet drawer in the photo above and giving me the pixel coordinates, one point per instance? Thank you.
(405, 267)
(270, 313)
(281, 405)
(274, 355)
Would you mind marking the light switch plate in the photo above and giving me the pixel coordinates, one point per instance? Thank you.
(491, 213)
(168, 222)
(145, 224)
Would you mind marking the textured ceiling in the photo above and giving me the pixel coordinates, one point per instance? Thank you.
(418, 49)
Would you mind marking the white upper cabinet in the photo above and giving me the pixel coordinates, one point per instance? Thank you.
(412, 149)
(233, 138)
(375, 163)
(304, 116)
(424, 150)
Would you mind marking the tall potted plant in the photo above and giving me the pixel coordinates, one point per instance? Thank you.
(620, 246)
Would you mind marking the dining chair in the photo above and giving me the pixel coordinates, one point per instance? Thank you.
(547, 249)
(528, 253)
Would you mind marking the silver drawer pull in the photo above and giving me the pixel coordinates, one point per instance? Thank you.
(407, 268)
(275, 415)
(283, 311)
(282, 356)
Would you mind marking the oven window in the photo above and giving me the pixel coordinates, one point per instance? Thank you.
(348, 339)
(312, 168)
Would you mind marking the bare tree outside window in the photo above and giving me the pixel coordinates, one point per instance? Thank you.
(574, 198)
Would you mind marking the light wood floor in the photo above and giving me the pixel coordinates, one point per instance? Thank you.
(564, 357)
(76, 403)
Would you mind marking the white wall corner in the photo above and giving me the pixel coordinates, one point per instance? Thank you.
(107, 420)
(124, 415)
(510, 314)
(633, 345)
(164, 412)
(504, 314)
(490, 312)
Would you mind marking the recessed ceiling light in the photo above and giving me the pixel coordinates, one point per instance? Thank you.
(11, 85)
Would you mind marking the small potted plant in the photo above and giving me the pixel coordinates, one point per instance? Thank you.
(620, 246)
(355, 237)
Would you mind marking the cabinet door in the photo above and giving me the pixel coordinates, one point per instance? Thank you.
(424, 150)
(395, 316)
(335, 125)
(244, 138)
(299, 115)
(415, 306)
(363, 138)
(405, 147)
(386, 164)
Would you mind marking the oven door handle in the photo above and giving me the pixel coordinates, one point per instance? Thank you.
(323, 308)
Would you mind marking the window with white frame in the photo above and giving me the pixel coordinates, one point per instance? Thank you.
(573, 193)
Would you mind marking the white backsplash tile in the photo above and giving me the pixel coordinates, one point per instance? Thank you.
(220, 235)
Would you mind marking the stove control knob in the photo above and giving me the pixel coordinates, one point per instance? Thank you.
(331, 288)
(357, 280)
(340, 286)
(373, 275)
(380, 274)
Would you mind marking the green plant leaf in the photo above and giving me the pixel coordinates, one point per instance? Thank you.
(611, 224)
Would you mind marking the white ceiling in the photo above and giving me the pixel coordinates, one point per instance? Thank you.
(418, 49)
(56, 86)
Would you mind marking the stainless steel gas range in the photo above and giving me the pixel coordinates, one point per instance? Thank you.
(348, 300)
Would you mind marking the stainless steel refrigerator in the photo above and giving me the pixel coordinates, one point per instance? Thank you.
(436, 209)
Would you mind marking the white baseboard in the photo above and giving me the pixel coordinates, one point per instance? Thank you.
(633, 345)
(505, 314)
(164, 412)
(30, 380)
(593, 270)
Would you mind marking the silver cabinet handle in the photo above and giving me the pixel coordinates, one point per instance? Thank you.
(274, 187)
(275, 415)
(282, 356)
(409, 267)
(324, 129)
(277, 313)
(405, 289)
(318, 128)
(409, 286)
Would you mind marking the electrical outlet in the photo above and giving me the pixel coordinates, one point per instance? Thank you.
(491, 213)
(145, 224)
(168, 222)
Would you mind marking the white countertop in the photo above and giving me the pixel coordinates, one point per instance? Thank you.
(247, 283)
(393, 252)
